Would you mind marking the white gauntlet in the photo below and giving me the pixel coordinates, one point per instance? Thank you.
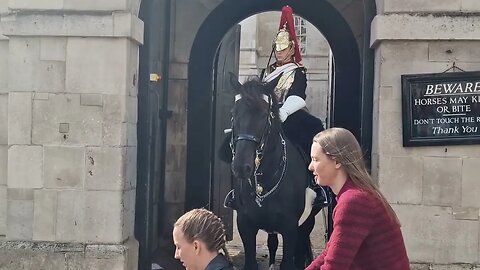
(291, 105)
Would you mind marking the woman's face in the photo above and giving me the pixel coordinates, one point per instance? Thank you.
(324, 168)
(184, 251)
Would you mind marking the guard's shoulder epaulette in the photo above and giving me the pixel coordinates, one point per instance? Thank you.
(301, 67)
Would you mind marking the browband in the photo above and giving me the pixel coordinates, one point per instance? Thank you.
(265, 97)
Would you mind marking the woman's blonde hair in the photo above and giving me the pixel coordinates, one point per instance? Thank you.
(205, 226)
(340, 145)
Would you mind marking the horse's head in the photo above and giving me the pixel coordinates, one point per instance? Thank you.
(254, 115)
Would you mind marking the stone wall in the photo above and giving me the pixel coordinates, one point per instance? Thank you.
(68, 114)
(433, 189)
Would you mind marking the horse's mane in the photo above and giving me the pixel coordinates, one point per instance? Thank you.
(253, 90)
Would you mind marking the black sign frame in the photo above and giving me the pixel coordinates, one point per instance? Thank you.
(411, 88)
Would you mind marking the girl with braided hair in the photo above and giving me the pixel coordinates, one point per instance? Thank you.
(199, 236)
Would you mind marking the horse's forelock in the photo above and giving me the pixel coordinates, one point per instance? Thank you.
(253, 90)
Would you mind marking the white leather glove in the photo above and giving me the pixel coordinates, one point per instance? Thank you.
(291, 105)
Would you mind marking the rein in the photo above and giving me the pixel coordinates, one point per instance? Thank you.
(260, 196)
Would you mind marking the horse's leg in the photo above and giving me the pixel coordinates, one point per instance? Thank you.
(248, 233)
(272, 243)
(303, 251)
(289, 238)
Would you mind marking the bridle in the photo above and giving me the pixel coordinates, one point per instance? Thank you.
(259, 152)
(248, 137)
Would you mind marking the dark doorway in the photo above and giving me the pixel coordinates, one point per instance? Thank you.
(151, 128)
(226, 61)
(351, 103)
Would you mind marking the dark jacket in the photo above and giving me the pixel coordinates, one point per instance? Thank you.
(219, 263)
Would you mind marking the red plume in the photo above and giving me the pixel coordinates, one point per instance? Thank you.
(287, 18)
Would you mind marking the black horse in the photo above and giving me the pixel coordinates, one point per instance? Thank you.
(272, 180)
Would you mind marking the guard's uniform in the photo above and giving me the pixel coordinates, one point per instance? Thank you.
(300, 127)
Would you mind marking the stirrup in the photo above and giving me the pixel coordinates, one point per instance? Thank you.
(230, 201)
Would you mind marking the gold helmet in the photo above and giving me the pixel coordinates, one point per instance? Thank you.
(286, 36)
(282, 40)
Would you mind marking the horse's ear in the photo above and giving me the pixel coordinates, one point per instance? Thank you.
(234, 82)
(269, 86)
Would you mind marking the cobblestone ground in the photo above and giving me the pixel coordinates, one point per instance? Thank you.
(236, 249)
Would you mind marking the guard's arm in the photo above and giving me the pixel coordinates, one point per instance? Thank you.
(292, 104)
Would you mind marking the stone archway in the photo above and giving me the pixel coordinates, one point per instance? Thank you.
(347, 29)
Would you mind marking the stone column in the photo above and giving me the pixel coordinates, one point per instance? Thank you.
(67, 200)
(3, 124)
(432, 188)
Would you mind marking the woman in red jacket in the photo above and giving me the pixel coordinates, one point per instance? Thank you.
(366, 230)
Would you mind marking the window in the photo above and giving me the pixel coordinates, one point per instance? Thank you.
(301, 31)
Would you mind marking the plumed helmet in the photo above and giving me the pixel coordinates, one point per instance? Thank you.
(286, 36)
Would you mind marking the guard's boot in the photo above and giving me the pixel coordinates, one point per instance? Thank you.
(230, 201)
(321, 200)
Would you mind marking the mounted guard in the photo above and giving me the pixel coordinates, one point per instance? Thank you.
(298, 124)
